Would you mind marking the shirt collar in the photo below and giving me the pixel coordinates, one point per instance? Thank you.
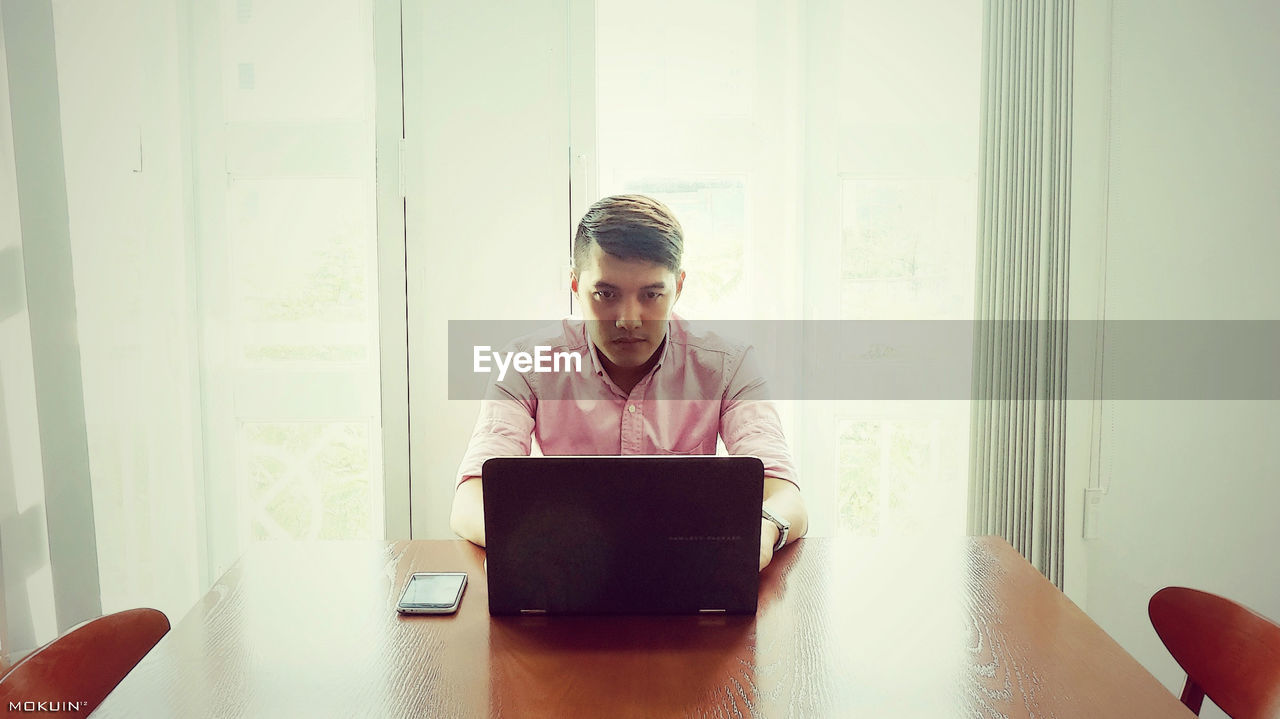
(664, 352)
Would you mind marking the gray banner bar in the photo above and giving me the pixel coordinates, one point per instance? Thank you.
(930, 360)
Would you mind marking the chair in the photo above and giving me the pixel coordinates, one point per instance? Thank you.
(1230, 653)
(81, 667)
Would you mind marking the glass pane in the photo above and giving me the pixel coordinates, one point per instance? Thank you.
(712, 213)
(303, 268)
(297, 60)
(907, 248)
(678, 118)
(290, 274)
(661, 83)
(309, 480)
(902, 474)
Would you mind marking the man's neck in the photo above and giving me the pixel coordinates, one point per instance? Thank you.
(628, 377)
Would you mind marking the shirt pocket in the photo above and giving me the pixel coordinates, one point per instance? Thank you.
(684, 428)
(698, 446)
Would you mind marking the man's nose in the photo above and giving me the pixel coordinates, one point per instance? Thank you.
(629, 316)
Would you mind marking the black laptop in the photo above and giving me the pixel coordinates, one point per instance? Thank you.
(623, 535)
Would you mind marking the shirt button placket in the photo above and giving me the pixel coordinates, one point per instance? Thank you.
(633, 423)
(630, 444)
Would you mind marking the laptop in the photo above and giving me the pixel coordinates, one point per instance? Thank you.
(623, 535)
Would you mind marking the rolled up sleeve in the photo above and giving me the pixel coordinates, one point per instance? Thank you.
(503, 429)
(749, 421)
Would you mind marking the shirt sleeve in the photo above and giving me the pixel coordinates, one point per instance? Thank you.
(504, 427)
(749, 421)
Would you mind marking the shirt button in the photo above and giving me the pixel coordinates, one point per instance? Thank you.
(631, 408)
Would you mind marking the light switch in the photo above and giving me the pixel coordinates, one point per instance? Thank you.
(1092, 508)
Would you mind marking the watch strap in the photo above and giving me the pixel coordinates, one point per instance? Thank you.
(784, 527)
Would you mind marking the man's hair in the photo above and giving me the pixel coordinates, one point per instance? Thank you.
(630, 227)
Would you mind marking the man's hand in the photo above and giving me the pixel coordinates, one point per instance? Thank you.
(768, 538)
(783, 500)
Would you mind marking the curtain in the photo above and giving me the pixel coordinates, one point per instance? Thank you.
(1016, 470)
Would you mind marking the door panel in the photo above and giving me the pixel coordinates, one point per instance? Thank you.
(486, 202)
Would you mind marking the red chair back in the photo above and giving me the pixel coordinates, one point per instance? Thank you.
(1230, 653)
(73, 674)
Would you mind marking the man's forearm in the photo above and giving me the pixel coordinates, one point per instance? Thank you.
(783, 500)
(467, 517)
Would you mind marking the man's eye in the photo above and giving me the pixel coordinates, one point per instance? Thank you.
(603, 294)
(655, 295)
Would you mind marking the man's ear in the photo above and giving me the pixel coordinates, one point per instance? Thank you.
(679, 285)
(573, 281)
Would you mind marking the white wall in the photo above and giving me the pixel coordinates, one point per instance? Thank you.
(1192, 228)
(26, 584)
(128, 194)
(107, 212)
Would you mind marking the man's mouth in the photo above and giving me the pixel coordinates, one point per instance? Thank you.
(628, 340)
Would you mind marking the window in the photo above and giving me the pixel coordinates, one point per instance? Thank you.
(822, 158)
(289, 269)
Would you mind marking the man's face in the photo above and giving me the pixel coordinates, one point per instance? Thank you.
(626, 304)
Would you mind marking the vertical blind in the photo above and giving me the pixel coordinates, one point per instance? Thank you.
(1018, 440)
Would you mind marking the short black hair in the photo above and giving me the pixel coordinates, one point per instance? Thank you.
(630, 227)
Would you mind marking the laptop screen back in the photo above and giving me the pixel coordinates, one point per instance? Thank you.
(623, 535)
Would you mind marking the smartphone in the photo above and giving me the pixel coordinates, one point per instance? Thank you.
(432, 593)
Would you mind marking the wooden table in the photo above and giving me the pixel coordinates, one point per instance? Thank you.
(884, 628)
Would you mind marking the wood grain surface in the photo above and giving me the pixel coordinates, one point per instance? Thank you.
(846, 628)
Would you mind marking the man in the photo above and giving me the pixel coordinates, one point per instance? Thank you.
(648, 384)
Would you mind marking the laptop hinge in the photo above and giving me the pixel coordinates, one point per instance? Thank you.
(533, 611)
(711, 611)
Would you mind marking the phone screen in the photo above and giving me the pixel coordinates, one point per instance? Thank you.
(433, 590)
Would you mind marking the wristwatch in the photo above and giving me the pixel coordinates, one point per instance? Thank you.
(784, 527)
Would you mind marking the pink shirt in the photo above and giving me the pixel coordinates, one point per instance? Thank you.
(702, 386)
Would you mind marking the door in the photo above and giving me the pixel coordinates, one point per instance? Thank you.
(487, 215)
